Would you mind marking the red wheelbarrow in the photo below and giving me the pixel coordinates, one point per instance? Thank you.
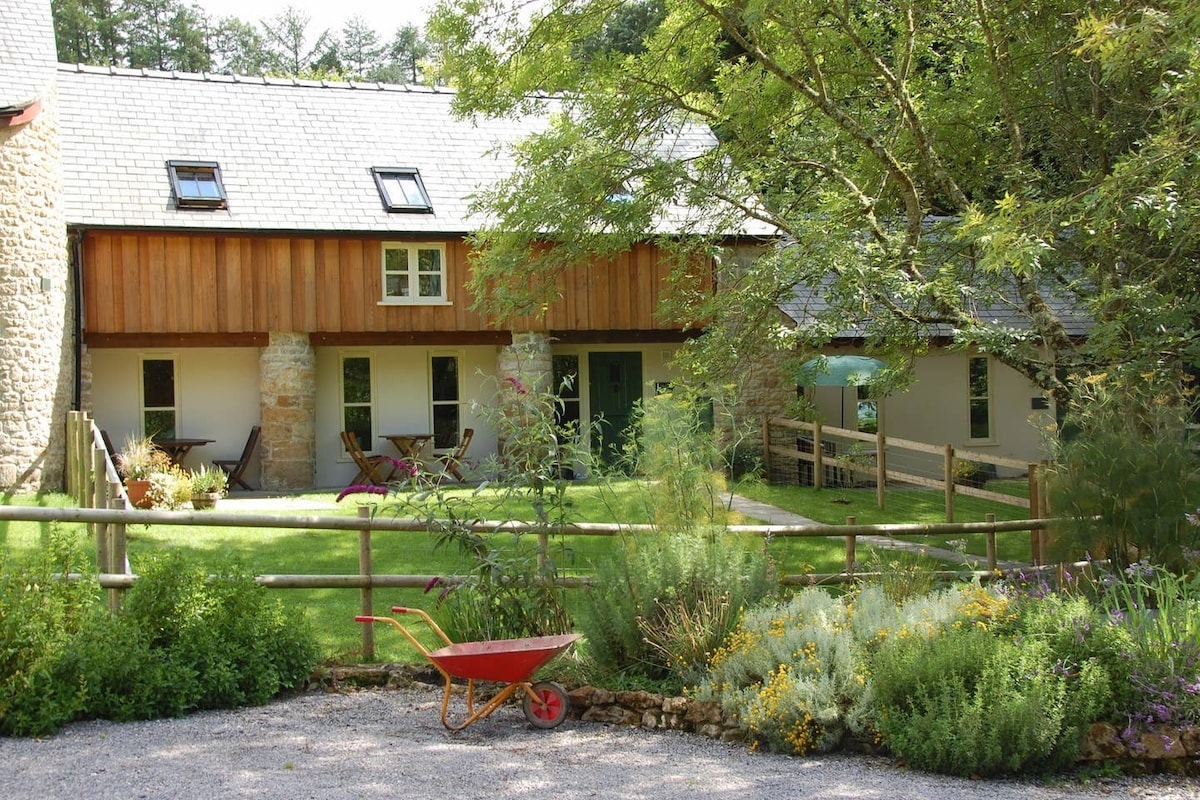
(510, 661)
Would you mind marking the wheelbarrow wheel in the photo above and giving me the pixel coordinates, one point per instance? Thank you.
(550, 707)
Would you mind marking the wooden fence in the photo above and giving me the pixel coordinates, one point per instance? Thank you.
(92, 481)
(871, 462)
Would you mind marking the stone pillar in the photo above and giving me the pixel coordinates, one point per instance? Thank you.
(36, 301)
(526, 370)
(288, 386)
(528, 361)
(763, 391)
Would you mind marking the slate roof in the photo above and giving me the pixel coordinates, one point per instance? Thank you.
(294, 155)
(807, 302)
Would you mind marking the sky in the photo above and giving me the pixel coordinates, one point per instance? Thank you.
(385, 16)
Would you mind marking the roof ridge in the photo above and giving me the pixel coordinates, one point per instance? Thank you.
(253, 80)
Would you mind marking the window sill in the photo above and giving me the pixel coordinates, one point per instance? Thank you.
(422, 302)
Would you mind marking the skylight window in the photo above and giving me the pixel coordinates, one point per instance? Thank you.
(401, 189)
(197, 184)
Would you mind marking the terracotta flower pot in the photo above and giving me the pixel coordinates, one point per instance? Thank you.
(139, 493)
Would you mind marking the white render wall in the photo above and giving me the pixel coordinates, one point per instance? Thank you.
(216, 388)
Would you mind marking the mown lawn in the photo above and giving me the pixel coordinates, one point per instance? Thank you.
(314, 551)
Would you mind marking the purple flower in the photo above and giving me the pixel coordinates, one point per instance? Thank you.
(515, 384)
(433, 583)
(360, 488)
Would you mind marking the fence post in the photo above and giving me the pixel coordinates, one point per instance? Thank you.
(880, 467)
(851, 545)
(116, 556)
(991, 543)
(99, 498)
(818, 467)
(766, 443)
(1037, 538)
(948, 477)
(543, 551)
(367, 592)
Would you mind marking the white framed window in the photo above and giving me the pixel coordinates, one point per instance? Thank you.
(979, 397)
(158, 396)
(445, 394)
(414, 273)
(358, 398)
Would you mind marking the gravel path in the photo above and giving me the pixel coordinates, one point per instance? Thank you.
(390, 744)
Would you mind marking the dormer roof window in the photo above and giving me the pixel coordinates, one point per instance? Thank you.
(401, 190)
(197, 184)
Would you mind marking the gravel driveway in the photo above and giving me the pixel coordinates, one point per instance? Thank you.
(389, 743)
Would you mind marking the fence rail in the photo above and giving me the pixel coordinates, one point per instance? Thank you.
(104, 508)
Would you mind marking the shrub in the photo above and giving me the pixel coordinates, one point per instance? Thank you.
(183, 641)
(236, 639)
(664, 603)
(40, 614)
(973, 700)
(795, 674)
(1124, 471)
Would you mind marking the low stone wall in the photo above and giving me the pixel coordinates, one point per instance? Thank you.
(1152, 749)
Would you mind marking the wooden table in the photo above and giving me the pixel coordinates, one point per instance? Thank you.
(409, 445)
(179, 448)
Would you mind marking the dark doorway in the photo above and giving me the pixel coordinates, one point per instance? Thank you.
(614, 386)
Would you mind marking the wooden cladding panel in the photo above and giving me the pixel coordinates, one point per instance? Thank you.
(177, 283)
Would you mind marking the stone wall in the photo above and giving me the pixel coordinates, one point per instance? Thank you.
(36, 306)
(288, 389)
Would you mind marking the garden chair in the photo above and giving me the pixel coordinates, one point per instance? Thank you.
(452, 462)
(236, 469)
(375, 470)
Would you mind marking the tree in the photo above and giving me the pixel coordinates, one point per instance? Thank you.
(87, 31)
(235, 47)
(405, 54)
(360, 51)
(285, 42)
(163, 35)
(927, 166)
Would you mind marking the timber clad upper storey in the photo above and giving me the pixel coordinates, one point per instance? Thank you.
(227, 288)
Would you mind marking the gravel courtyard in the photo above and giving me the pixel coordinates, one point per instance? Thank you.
(389, 743)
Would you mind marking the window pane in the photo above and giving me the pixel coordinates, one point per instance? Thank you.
(978, 377)
(411, 193)
(160, 423)
(445, 378)
(445, 425)
(397, 286)
(356, 380)
(431, 285)
(357, 419)
(980, 429)
(566, 376)
(429, 260)
(395, 258)
(158, 383)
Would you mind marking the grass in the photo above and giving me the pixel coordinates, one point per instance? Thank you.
(331, 611)
(917, 506)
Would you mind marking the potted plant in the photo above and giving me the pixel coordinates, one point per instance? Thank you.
(138, 460)
(208, 485)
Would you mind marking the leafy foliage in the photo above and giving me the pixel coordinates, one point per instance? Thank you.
(1124, 471)
(925, 164)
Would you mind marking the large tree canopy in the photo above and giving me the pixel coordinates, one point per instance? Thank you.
(987, 170)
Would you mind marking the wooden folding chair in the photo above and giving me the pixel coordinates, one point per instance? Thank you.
(371, 469)
(236, 469)
(452, 462)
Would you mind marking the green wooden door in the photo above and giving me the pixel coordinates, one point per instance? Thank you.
(614, 386)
